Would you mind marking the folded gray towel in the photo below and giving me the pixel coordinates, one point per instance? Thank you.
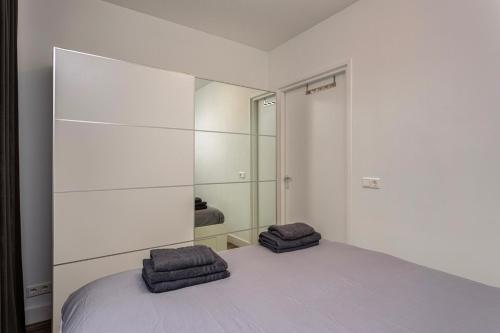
(291, 231)
(278, 250)
(184, 257)
(219, 265)
(280, 244)
(178, 284)
(200, 204)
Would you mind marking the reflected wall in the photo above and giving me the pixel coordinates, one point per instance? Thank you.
(235, 164)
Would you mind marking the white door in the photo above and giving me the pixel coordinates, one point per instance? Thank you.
(315, 158)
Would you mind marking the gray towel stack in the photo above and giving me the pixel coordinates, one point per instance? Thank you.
(290, 237)
(199, 204)
(170, 269)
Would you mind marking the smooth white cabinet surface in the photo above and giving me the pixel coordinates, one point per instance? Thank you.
(95, 156)
(92, 88)
(120, 221)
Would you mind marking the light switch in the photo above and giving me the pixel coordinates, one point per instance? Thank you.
(371, 182)
(243, 174)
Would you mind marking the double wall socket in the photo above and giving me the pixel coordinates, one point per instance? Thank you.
(371, 182)
(39, 289)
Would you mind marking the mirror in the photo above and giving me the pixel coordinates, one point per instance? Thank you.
(235, 164)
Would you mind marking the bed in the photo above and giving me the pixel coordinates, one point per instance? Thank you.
(207, 217)
(332, 287)
(210, 229)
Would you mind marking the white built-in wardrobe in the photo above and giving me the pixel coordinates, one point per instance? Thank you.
(118, 158)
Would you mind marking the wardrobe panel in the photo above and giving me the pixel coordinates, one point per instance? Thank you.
(93, 88)
(120, 221)
(69, 277)
(95, 156)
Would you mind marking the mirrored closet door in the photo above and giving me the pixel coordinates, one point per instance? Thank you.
(235, 164)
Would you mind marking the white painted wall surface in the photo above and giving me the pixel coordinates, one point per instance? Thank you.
(220, 157)
(100, 28)
(224, 108)
(425, 83)
(267, 158)
(267, 116)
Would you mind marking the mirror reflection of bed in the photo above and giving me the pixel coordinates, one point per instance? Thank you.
(209, 221)
(235, 164)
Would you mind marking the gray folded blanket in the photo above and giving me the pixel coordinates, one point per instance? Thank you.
(279, 244)
(291, 231)
(184, 257)
(178, 284)
(218, 266)
(281, 250)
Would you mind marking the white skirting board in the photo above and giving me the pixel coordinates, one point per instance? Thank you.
(38, 309)
(238, 241)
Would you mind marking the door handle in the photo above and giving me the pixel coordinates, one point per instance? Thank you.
(287, 180)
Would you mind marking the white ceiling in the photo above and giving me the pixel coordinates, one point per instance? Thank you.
(263, 24)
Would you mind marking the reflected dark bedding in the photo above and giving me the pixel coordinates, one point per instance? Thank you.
(208, 216)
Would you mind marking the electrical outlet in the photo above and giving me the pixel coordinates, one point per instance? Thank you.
(45, 288)
(371, 183)
(38, 289)
(31, 292)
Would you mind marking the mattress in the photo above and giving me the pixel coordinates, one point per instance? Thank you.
(206, 217)
(332, 288)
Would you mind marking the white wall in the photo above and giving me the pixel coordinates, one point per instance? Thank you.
(425, 107)
(100, 28)
(224, 107)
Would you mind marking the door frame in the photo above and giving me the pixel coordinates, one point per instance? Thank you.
(340, 67)
(254, 170)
